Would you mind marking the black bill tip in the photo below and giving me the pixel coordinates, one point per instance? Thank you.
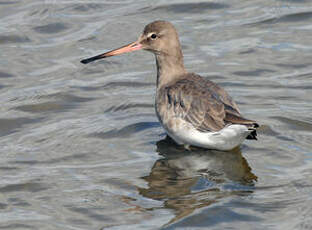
(88, 60)
(85, 61)
(91, 59)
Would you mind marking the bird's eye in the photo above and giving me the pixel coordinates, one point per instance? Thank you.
(153, 36)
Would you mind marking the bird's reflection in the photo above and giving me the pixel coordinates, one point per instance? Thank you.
(190, 179)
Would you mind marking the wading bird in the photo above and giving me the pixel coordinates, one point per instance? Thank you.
(193, 110)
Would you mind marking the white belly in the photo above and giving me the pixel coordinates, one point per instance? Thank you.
(225, 139)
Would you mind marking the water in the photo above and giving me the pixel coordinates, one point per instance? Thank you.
(81, 147)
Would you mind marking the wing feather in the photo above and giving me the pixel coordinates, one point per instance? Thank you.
(202, 103)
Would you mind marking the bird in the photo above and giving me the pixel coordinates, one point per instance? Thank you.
(193, 110)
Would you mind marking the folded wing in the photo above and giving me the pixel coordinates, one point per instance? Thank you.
(204, 104)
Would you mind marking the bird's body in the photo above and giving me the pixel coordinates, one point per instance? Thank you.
(192, 110)
(196, 111)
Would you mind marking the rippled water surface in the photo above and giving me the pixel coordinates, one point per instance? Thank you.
(81, 147)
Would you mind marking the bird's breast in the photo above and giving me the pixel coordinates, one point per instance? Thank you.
(167, 115)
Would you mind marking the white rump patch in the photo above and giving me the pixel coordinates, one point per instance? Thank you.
(225, 139)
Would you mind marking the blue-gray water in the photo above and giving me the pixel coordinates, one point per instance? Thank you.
(81, 147)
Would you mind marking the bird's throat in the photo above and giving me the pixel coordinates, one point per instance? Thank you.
(169, 69)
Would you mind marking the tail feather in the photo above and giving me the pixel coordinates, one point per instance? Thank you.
(252, 125)
(252, 135)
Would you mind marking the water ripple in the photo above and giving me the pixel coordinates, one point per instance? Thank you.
(188, 7)
(126, 131)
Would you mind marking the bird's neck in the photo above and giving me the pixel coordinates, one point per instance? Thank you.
(170, 68)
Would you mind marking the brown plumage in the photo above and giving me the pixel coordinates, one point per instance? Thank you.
(187, 105)
(202, 103)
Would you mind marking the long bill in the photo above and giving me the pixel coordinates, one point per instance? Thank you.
(124, 49)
